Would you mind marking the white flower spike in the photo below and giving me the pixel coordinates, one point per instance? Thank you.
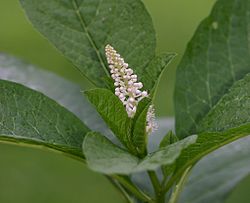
(127, 88)
(151, 123)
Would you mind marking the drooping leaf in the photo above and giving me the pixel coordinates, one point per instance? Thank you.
(214, 177)
(152, 73)
(105, 157)
(62, 91)
(30, 117)
(215, 59)
(109, 106)
(80, 29)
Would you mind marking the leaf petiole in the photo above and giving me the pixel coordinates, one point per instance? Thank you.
(127, 183)
(156, 185)
(179, 186)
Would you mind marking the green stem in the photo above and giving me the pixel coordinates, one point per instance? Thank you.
(121, 190)
(179, 186)
(155, 182)
(126, 182)
(165, 178)
(160, 197)
(169, 184)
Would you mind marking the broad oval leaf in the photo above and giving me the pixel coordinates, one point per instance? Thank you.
(216, 58)
(61, 90)
(81, 28)
(30, 117)
(226, 122)
(214, 177)
(105, 157)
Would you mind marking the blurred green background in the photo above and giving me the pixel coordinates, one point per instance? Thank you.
(33, 176)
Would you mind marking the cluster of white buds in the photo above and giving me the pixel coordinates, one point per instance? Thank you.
(151, 122)
(127, 88)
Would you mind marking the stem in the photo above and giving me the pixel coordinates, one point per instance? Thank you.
(122, 191)
(169, 184)
(165, 178)
(160, 197)
(155, 182)
(178, 187)
(132, 188)
(125, 194)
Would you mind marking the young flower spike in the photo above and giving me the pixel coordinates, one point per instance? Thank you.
(151, 123)
(127, 88)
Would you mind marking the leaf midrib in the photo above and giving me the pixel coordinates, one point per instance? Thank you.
(22, 142)
(88, 34)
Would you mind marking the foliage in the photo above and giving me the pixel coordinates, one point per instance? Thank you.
(211, 96)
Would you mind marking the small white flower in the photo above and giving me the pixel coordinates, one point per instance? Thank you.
(127, 86)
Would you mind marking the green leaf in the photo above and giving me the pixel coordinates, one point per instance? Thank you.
(164, 125)
(140, 136)
(214, 177)
(111, 109)
(169, 139)
(152, 73)
(62, 91)
(231, 111)
(30, 117)
(166, 155)
(140, 108)
(206, 143)
(227, 121)
(80, 30)
(226, 168)
(105, 157)
(215, 59)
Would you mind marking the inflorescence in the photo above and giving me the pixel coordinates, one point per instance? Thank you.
(127, 88)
